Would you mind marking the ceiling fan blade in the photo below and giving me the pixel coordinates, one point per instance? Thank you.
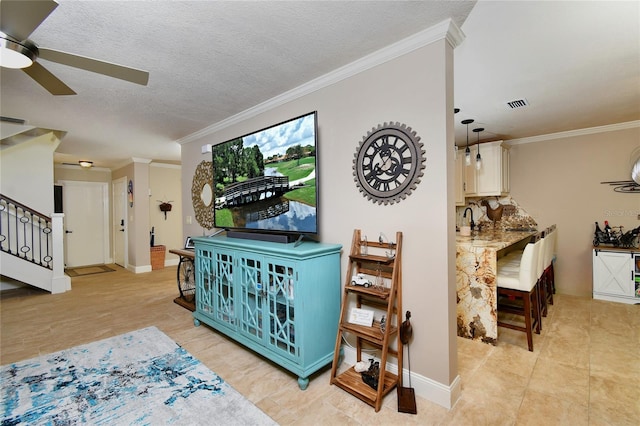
(132, 75)
(47, 80)
(19, 19)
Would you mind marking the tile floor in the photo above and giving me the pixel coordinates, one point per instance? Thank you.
(585, 368)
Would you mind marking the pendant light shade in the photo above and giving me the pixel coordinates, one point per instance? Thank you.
(467, 151)
(478, 157)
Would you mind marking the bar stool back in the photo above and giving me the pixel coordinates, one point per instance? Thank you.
(518, 291)
(549, 255)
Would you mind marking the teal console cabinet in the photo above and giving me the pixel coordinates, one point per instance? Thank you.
(280, 300)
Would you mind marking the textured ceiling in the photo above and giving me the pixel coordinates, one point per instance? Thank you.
(207, 60)
(577, 63)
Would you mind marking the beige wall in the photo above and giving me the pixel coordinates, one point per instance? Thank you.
(160, 179)
(559, 181)
(138, 254)
(166, 185)
(94, 174)
(414, 89)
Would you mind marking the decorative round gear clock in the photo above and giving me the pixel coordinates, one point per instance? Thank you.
(388, 163)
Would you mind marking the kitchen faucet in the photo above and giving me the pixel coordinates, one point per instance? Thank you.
(472, 223)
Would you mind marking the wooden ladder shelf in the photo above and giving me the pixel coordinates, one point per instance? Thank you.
(377, 261)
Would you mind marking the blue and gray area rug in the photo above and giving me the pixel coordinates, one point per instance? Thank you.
(138, 378)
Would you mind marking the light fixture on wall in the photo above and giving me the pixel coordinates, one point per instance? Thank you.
(85, 164)
(478, 157)
(467, 152)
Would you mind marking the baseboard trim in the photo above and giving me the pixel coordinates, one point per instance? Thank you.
(429, 389)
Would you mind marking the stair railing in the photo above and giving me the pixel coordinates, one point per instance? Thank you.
(25, 233)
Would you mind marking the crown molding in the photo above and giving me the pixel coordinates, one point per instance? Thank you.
(447, 30)
(573, 133)
(132, 160)
(141, 160)
(165, 165)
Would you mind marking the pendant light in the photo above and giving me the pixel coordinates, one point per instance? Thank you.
(467, 152)
(478, 157)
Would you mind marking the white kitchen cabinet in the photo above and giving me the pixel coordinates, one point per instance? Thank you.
(616, 275)
(460, 178)
(493, 177)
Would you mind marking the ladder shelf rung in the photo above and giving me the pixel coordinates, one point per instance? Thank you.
(351, 381)
(372, 334)
(371, 258)
(382, 293)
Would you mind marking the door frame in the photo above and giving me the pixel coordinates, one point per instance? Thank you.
(104, 186)
(125, 248)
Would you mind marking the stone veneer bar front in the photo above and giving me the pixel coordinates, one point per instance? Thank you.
(476, 263)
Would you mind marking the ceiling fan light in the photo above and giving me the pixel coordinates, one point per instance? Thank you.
(15, 55)
(86, 164)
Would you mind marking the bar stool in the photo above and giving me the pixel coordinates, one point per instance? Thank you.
(520, 285)
(549, 258)
(511, 263)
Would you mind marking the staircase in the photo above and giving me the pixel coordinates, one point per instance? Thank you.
(32, 246)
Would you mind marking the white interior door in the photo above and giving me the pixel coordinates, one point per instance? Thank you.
(119, 224)
(86, 212)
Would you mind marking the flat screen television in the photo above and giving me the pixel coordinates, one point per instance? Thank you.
(266, 181)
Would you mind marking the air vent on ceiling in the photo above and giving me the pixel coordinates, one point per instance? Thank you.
(518, 103)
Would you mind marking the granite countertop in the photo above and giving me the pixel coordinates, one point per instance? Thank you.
(495, 239)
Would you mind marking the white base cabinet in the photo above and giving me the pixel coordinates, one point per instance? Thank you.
(616, 275)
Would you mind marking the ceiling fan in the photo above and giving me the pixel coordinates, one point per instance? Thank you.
(18, 19)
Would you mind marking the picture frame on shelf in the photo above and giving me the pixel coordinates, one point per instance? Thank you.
(189, 244)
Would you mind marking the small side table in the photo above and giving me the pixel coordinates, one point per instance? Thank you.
(186, 278)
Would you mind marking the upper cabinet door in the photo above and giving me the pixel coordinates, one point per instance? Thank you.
(493, 177)
(470, 177)
(489, 177)
(460, 178)
(506, 170)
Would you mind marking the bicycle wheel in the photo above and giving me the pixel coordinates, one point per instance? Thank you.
(186, 279)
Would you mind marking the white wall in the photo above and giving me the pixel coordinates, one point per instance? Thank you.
(415, 89)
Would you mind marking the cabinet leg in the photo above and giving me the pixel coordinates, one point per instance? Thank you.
(303, 382)
(196, 322)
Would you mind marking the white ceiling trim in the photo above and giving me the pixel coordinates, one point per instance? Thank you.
(132, 160)
(572, 133)
(141, 160)
(445, 30)
(165, 165)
